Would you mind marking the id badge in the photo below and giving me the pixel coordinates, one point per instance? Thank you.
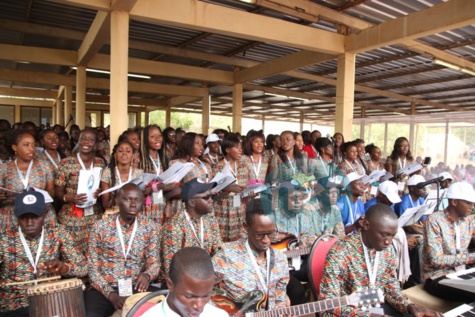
(157, 198)
(125, 287)
(401, 186)
(374, 190)
(237, 201)
(89, 211)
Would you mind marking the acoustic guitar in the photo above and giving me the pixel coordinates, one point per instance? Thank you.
(251, 304)
(285, 245)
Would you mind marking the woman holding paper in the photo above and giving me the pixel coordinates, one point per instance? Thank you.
(78, 220)
(400, 157)
(374, 163)
(350, 159)
(254, 158)
(228, 208)
(120, 171)
(22, 172)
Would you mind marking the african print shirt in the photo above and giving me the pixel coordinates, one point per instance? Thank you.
(106, 176)
(440, 256)
(106, 259)
(253, 167)
(345, 271)
(178, 234)
(44, 158)
(346, 167)
(15, 266)
(287, 170)
(321, 168)
(322, 222)
(295, 224)
(370, 167)
(237, 276)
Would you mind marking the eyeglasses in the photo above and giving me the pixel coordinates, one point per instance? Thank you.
(261, 235)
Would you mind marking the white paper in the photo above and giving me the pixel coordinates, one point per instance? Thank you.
(46, 195)
(143, 181)
(374, 190)
(386, 176)
(296, 262)
(431, 200)
(222, 181)
(373, 177)
(88, 183)
(408, 170)
(236, 201)
(175, 173)
(256, 188)
(116, 187)
(412, 215)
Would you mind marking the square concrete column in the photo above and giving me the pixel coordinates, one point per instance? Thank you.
(81, 97)
(237, 108)
(345, 94)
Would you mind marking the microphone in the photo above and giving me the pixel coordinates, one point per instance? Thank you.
(431, 181)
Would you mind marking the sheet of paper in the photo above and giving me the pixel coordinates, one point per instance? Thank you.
(175, 173)
(373, 177)
(88, 183)
(386, 176)
(256, 188)
(46, 195)
(412, 215)
(222, 181)
(431, 200)
(116, 187)
(409, 169)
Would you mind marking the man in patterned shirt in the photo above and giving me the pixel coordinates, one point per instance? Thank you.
(193, 227)
(242, 266)
(351, 262)
(447, 235)
(20, 247)
(123, 255)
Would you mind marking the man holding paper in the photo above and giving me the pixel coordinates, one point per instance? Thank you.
(414, 198)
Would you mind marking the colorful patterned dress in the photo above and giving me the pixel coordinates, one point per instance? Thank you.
(68, 176)
(346, 167)
(153, 210)
(256, 175)
(321, 168)
(231, 219)
(169, 154)
(44, 158)
(287, 170)
(105, 146)
(40, 173)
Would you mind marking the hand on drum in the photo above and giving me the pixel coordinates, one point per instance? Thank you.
(116, 300)
(143, 279)
(54, 266)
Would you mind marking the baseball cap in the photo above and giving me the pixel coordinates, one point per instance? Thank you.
(415, 179)
(446, 175)
(462, 191)
(193, 187)
(30, 202)
(351, 177)
(389, 189)
(213, 138)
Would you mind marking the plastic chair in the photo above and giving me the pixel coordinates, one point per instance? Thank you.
(143, 304)
(316, 260)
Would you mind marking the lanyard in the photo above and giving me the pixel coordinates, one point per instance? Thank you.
(400, 163)
(352, 217)
(256, 172)
(121, 237)
(350, 165)
(372, 275)
(34, 263)
(265, 286)
(156, 166)
(412, 203)
(314, 150)
(457, 237)
(212, 159)
(235, 167)
(291, 165)
(51, 159)
(82, 163)
(118, 175)
(200, 238)
(205, 169)
(324, 166)
(24, 180)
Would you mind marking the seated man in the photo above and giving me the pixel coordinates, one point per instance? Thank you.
(190, 284)
(351, 208)
(447, 235)
(193, 227)
(447, 179)
(414, 198)
(33, 251)
(387, 194)
(123, 255)
(366, 259)
(245, 266)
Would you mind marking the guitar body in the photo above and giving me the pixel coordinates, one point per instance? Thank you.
(252, 302)
(285, 244)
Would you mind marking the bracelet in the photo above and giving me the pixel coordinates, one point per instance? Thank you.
(64, 198)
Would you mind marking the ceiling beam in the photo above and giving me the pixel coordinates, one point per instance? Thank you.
(96, 37)
(26, 102)
(280, 65)
(439, 18)
(196, 15)
(39, 55)
(99, 5)
(30, 93)
(122, 5)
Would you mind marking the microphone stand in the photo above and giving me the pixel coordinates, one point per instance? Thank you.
(69, 121)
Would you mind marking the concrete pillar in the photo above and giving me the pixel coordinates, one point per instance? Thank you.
(17, 113)
(263, 122)
(119, 71)
(301, 121)
(205, 113)
(168, 117)
(345, 93)
(147, 118)
(237, 108)
(68, 104)
(59, 111)
(81, 97)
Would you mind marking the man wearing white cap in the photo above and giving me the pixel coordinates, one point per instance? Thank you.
(444, 184)
(387, 194)
(447, 235)
(352, 209)
(212, 154)
(414, 198)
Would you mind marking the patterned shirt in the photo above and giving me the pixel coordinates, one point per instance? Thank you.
(237, 276)
(440, 256)
(346, 167)
(345, 271)
(106, 259)
(287, 170)
(178, 234)
(15, 266)
(321, 168)
(253, 166)
(295, 224)
(370, 167)
(321, 222)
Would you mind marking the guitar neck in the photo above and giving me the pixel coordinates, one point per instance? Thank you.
(303, 309)
(296, 252)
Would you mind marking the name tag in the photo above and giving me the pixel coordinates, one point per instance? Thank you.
(401, 186)
(237, 200)
(125, 287)
(89, 211)
(374, 190)
(157, 198)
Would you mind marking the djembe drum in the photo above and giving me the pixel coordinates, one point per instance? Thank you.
(62, 299)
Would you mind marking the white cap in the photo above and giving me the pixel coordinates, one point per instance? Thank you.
(415, 179)
(446, 175)
(389, 189)
(462, 191)
(212, 138)
(349, 178)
